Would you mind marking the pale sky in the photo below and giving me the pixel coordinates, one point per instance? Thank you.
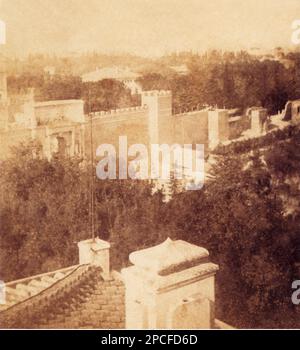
(146, 27)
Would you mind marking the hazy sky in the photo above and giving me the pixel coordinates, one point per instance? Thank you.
(147, 27)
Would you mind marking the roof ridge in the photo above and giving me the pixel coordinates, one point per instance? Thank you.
(34, 305)
(45, 274)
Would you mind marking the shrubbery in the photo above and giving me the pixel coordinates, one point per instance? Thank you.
(271, 138)
(247, 216)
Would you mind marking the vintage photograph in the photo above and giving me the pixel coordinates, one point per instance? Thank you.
(149, 164)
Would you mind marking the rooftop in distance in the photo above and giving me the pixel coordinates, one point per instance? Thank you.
(117, 73)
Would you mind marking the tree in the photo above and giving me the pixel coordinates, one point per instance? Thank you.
(105, 95)
(239, 218)
(45, 212)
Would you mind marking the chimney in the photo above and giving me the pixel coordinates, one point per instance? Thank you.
(170, 286)
(95, 252)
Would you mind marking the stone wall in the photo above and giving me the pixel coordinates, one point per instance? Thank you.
(159, 104)
(109, 126)
(191, 127)
(51, 111)
(150, 123)
(21, 110)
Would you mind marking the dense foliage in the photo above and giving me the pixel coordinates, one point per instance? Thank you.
(231, 80)
(225, 79)
(251, 144)
(45, 212)
(248, 217)
(99, 96)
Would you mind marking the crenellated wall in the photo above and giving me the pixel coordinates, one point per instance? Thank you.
(150, 123)
(109, 126)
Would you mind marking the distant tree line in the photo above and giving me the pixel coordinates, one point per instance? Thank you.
(231, 80)
(225, 79)
(103, 95)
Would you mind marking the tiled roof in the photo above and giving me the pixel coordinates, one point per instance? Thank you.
(22, 289)
(101, 307)
(80, 298)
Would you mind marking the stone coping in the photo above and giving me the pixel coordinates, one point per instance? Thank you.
(57, 102)
(169, 257)
(161, 284)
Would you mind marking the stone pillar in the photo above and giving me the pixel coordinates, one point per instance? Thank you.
(47, 144)
(258, 119)
(170, 286)
(72, 142)
(218, 127)
(82, 140)
(95, 252)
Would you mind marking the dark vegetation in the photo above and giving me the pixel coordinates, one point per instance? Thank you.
(247, 216)
(231, 80)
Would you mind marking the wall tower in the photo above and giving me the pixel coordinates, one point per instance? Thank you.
(218, 127)
(159, 104)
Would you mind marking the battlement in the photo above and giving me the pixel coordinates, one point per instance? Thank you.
(119, 111)
(157, 93)
(58, 103)
(189, 113)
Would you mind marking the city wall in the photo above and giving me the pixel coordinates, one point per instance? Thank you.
(109, 126)
(150, 123)
(51, 111)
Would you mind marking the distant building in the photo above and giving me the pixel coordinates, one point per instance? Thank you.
(180, 69)
(57, 125)
(126, 76)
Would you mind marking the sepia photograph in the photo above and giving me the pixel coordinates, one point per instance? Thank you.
(149, 166)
